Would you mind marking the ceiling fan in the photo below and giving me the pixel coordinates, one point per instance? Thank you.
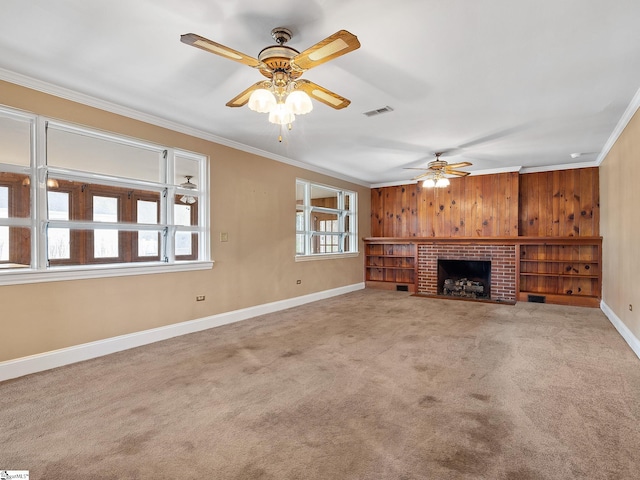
(437, 169)
(283, 66)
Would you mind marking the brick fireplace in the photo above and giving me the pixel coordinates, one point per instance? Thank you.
(503, 266)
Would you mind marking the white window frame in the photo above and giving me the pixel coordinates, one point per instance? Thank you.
(38, 170)
(307, 211)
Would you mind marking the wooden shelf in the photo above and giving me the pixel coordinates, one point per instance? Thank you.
(390, 265)
(540, 274)
(566, 271)
(544, 260)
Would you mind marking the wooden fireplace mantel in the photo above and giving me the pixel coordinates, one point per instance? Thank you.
(489, 240)
(564, 270)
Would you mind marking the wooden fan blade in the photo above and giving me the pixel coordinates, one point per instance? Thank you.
(416, 168)
(459, 173)
(331, 47)
(243, 98)
(459, 165)
(213, 47)
(421, 176)
(322, 94)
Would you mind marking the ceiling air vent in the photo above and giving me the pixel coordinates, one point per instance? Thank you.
(378, 111)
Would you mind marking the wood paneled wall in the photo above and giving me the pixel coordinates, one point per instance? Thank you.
(393, 211)
(560, 203)
(480, 206)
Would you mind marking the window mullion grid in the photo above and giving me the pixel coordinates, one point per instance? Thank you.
(39, 206)
(104, 180)
(167, 253)
(308, 236)
(15, 222)
(341, 220)
(203, 212)
(167, 219)
(19, 169)
(341, 229)
(166, 247)
(353, 223)
(330, 211)
(89, 225)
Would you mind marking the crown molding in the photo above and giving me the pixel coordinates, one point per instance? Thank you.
(628, 114)
(88, 100)
(493, 171)
(489, 171)
(392, 184)
(564, 166)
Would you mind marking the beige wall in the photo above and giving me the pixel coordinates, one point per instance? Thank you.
(252, 199)
(620, 226)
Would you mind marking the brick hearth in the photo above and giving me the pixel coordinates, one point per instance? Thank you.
(503, 266)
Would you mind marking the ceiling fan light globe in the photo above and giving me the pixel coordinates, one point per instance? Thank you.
(188, 199)
(189, 186)
(429, 183)
(280, 115)
(442, 182)
(299, 103)
(262, 101)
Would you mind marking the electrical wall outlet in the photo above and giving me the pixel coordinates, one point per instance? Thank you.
(224, 236)
(200, 298)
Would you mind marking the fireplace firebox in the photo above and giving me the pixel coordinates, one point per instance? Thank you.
(464, 278)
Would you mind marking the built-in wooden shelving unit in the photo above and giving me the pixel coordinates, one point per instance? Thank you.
(390, 265)
(562, 270)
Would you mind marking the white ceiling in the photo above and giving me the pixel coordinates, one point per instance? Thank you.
(500, 83)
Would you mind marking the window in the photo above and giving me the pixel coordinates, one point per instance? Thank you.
(84, 202)
(4, 230)
(185, 242)
(91, 199)
(147, 211)
(329, 243)
(325, 220)
(59, 239)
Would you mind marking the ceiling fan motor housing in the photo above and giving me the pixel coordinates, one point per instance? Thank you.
(278, 58)
(437, 164)
(281, 35)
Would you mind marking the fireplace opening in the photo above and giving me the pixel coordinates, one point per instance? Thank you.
(464, 278)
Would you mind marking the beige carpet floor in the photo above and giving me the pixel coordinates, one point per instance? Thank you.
(369, 385)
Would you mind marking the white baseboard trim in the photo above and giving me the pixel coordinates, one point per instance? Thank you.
(65, 356)
(623, 330)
